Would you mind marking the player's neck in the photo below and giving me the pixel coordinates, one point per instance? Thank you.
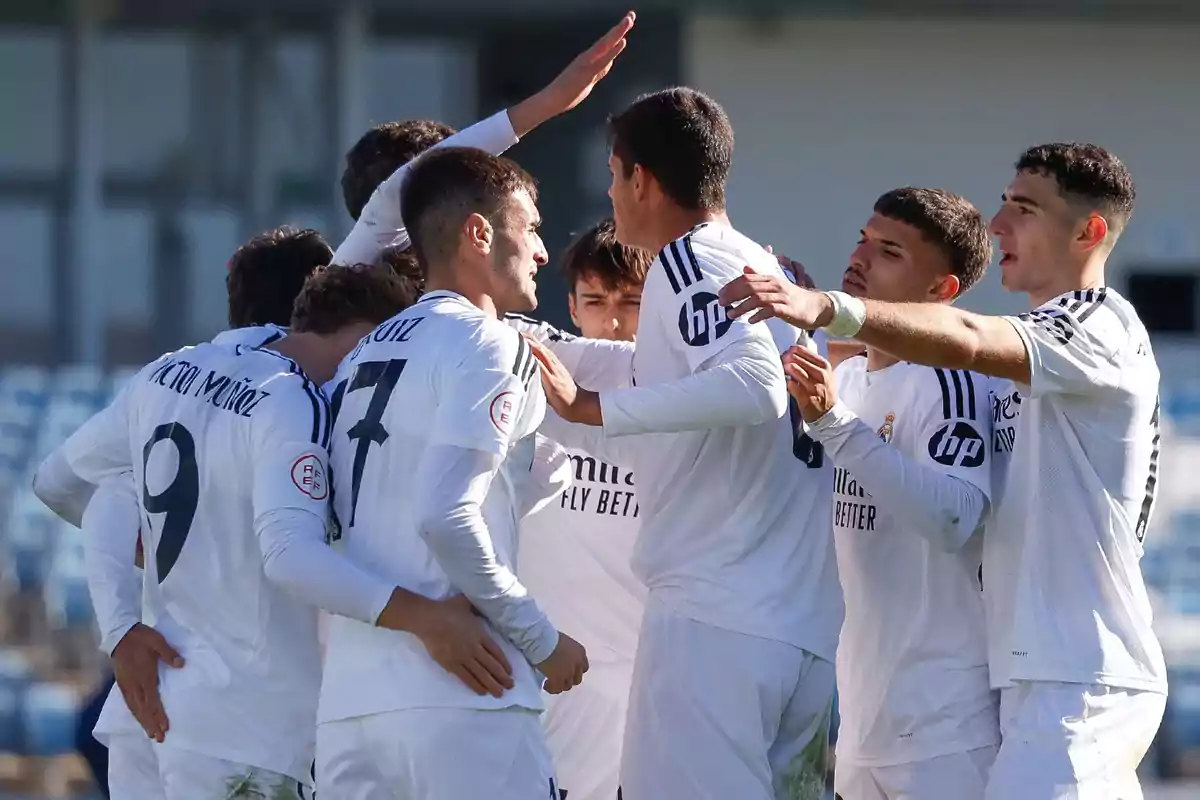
(445, 281)
(674, 222)
(877, 359)
(1089, 276)
(309, 351)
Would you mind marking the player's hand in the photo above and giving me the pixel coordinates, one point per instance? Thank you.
(795, 268)
(457, 639)
(765, 296)
(565, 667)
(810, 382)
(573, 84)
(135, 666)
(568, 400)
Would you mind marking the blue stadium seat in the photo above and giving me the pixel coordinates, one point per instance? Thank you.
(15, 677)
(68, 604)
(31, 533)
(49, 716)
(80, 384)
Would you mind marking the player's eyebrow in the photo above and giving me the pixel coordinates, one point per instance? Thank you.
(885, 242)
(1019, 199)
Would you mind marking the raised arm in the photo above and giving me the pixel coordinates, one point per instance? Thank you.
(381, 226)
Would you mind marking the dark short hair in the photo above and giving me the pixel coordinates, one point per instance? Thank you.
(448, 185)
(1087, 175)
(380, 152)
(948, 221)
(596, 254)
(337, 296)
(404, 265)
(266, 273)
(683, 138)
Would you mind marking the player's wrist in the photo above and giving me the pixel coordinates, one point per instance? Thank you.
(531, 112)
(843, 314)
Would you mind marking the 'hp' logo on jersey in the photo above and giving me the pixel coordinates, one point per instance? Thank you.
(702, 320)
(959, 446)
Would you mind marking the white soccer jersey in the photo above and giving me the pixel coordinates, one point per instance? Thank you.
(217, 437)
(735, 519)
(251, 336)
(1063, 586)
(575, 559)
(912, 659)
(442, 372)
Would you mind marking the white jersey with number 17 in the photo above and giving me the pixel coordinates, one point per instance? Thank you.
(217, 437)
(441, 373)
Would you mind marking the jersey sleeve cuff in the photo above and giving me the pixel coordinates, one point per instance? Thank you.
(833, 421)
(116, 632)
(543, 639)
(1030, 351)
(496, 133)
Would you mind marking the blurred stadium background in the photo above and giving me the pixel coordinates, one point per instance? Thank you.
(143, 140)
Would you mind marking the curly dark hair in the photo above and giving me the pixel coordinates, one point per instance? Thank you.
(267, 272)
(948, 221)
(1087, 176)
(383, 150)
(337, 296)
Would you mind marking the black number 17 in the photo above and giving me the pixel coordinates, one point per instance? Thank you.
(382, 377)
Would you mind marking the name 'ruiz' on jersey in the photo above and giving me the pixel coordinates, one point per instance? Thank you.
(442, 373)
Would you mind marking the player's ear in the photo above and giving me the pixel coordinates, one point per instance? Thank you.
(946, 288)
(1093, 232)
(479, 233)
(641, 181)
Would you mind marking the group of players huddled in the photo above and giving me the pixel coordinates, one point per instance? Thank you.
(943, 510)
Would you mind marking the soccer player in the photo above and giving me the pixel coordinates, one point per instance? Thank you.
(912, 486)
(435, 415)
(227, 449)
(733, 678)
(574, 554)
(264, 277)
(1081, 673)
(377, 164)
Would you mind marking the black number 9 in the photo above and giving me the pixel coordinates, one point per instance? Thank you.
(178, 501)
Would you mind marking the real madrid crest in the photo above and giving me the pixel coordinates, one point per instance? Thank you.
(885, 432)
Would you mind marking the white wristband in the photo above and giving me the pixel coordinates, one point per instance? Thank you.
(849, 314)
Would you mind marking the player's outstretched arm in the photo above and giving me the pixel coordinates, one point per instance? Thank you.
(380, 225)
(924, 333)
(943, 498)
(60, 489)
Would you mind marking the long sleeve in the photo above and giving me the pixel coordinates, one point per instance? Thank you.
(380, 225)
(65, 493)
(945, 509)
(744, 387)
(454, 483)
(595, 364)
(547, 477)
(110, 534)
(296, 558)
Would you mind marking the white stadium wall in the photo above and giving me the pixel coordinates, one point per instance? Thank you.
(830, 113)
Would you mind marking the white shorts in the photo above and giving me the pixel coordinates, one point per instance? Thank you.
(1070, 741)
(956, 776)
(141, 769)
(435, 754)
(584, 728)
(715, 715)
